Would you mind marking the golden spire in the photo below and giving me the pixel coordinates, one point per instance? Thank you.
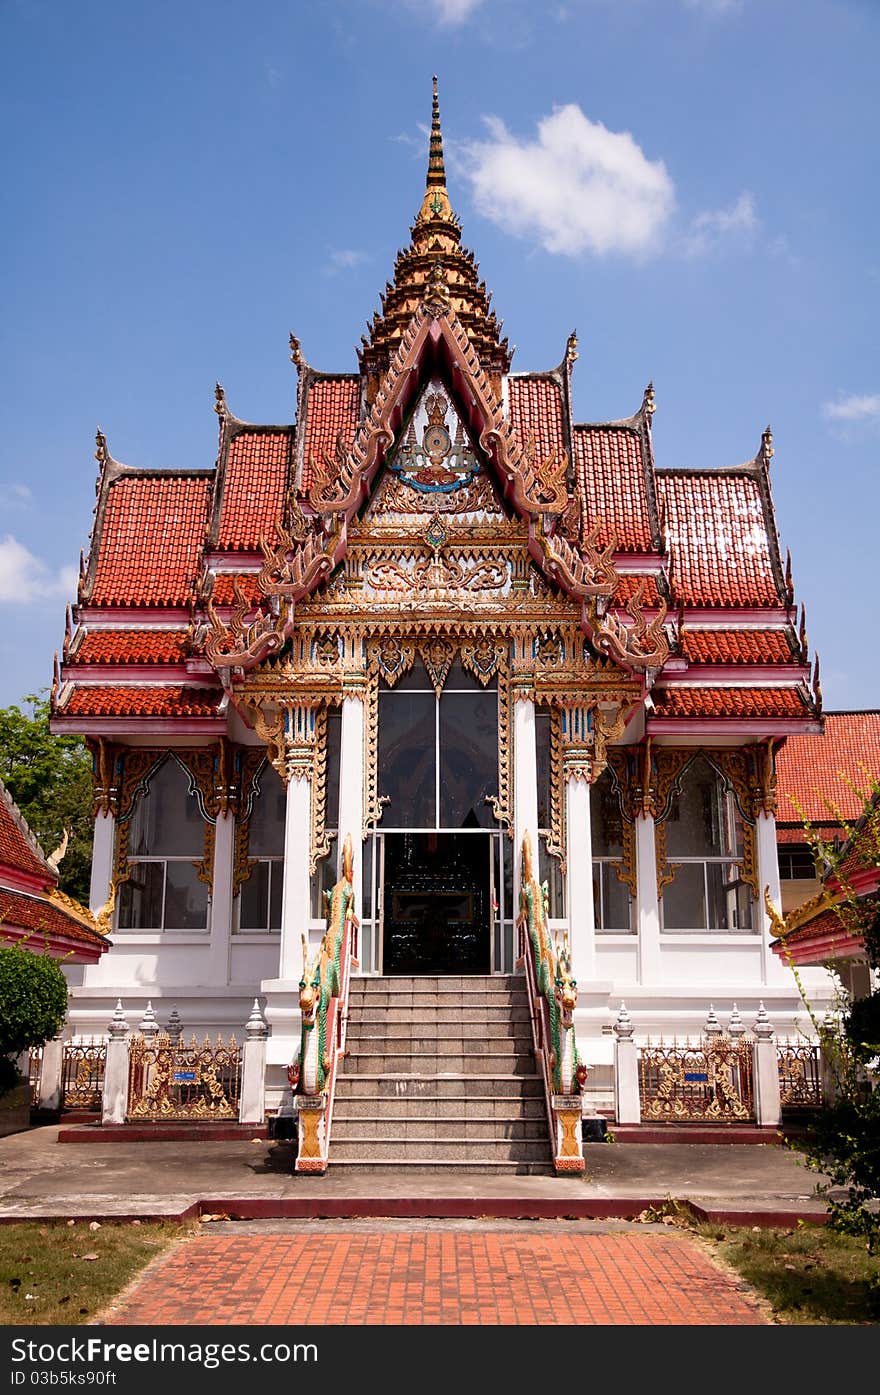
(435, 204)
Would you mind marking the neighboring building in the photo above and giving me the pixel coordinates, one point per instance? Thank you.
(438, 614)
(32, 909)
(822, 783)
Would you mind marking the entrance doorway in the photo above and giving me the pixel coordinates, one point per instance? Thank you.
(437, 903)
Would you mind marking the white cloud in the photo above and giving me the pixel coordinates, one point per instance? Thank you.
(453, 12)
(16, 496)
(24, 577)
(719, 227)
(854, 408)
(345, 259)
(577, 188)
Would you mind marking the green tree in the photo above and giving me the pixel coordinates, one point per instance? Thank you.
(50, 779)
(33, 1005)
(844, 1140)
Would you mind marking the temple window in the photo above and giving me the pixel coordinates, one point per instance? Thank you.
(438, 756)
(705, 849)
(166, 846)
(612, 903)
(260, 898)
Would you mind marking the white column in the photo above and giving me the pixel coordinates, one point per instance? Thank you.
(102, 861)
(114, 1094)
(647, 901)
(252, 1109)
(351, 791)
(296, 891)
(765, 1072)
(627, 1102)
(773, 970)
(222, 907)
(50, 1074)
(525, 788)
(579, 879)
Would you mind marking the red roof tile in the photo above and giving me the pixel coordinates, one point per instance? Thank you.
(737, 647)
(332, 408)
(33, 913)
(150, 540)
(628, 585)
(536, 409)
(825, 923)
(16, 848)
(728, 702)
(254, 487)
(611, 483)
(813, 769)
(131, 647)
(716, 529)
(223, 594)
(167, 700)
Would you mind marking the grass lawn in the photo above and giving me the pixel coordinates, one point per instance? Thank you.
(64, 1274)
(56, 1273)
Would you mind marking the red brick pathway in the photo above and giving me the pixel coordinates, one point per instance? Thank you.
(438, 1278)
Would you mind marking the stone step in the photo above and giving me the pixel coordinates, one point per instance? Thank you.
(395, 1106)
(443, 1016)
(421, 1031)
(467, 983)
(438, 1062)
(351, 1167)
(404, 1085)
(450, 1150)
(373, 1127)
(442, 998)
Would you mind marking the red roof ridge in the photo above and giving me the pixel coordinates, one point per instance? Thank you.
(21, 825)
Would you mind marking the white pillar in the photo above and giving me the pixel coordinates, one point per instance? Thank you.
(647, 901)
(765, 1073)
(296, 892)
(773, 970)
(525, 788)
(351, 792)
(51, 1069)
(114, 1095)
(222, 907)
(252, 1109)
(102, 861)
(580, 908)
(627, 1102)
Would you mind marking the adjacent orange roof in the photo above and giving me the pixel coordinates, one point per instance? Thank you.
(536, 409)
(18, 847)
(629, 584)
(151, 538)
(611, 484)
(834, 767)
(737, 647)
(716, 530)
(43, 918)
(332, 408)
(254, 486)
(224, 582)
(131, 647)
(165, 700)
(728, 702)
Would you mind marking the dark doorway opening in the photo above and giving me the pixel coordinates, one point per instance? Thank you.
(436, 904)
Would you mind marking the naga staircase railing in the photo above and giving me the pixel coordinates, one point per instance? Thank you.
(323, 1001)
(552, 1000)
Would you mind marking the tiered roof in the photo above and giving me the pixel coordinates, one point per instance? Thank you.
(825, 781)
(695, 552)
(32, 910)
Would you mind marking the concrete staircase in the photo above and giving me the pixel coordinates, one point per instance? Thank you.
(439, 1075)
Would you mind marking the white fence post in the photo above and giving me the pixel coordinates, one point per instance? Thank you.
(114, 1100)
(627, 1105)
(252, 1107)
(765, 1072)
(51, 1068)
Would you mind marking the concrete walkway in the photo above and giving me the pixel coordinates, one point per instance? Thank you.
(40, 1178)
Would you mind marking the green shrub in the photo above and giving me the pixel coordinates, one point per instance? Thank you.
(33, 1005)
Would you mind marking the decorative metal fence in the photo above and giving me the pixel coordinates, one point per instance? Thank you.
(710, 1082)
(35, 1066)
(82, 1073)
(800, 1075)
(169, 1080)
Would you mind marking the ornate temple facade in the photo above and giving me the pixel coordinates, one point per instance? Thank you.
(436, 613)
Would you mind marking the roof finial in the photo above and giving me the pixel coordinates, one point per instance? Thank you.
(436, 201)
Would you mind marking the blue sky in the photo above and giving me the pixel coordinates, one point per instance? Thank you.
(691, 184)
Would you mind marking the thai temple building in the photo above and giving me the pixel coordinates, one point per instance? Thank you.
(438, 615)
